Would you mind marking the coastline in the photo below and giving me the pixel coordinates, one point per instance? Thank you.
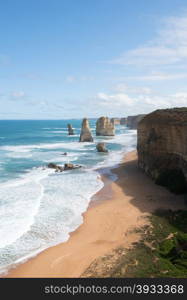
(107, 224)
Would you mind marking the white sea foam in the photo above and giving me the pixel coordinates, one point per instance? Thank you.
(42, 211)
(20, 200)
(40, 208)
(63, 145)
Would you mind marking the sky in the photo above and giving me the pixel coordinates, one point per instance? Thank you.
(65, 59)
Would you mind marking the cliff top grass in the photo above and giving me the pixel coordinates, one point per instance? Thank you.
(161, 252)
(173, 115)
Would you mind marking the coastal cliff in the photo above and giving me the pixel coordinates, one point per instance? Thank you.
(105, 127)
(132, 121)
(162, 147)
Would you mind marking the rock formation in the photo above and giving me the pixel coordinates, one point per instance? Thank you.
(70, 129)
(66, 167)
(115, 121)
(71, 167)
(56, 167)
(105, 127)
(123, 121)
(132, 121)
(65, 153)
(162, 147)
(85, 135)
(101, 147)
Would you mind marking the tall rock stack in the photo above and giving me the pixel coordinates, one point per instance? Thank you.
(70, 129)
(162, 147)
(105, 127)
(85, 135)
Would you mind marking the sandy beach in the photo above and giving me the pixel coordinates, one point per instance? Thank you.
(114, 211)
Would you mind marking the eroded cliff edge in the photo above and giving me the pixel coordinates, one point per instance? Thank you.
(162, 147)
(133, 121)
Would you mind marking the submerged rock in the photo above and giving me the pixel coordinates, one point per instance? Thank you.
(105, 127)
(70, 129)
(101, 147)
(65, 153)
(162, 147)
(85, 135)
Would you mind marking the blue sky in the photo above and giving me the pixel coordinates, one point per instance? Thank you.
(87, 58)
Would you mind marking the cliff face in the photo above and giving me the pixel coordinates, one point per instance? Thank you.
(162, 147)
(85, 135)
(105, 127)
(132, 121)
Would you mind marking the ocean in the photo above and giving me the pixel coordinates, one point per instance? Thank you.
(38, 207)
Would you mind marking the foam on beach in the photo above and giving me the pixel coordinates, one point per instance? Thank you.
(38, 207)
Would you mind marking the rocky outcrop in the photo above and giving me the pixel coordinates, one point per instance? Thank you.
(70, 129)
(105, 127)
(115, 121)
(66, 167)
(101, 147)
(132, 121)
(85, 135)
(162, 147)
(56, 167)
(71, 167)
(123, 121)
(64, 154)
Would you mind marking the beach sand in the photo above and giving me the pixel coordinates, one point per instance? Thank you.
(114, 211)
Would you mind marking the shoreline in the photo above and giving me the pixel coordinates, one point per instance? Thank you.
(113, 212)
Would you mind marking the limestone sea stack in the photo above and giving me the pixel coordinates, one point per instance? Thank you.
(85, 135)
(70, 129)
(105, 127)
(123, 121)
(116, 121)
(132, 121)
(162, 147)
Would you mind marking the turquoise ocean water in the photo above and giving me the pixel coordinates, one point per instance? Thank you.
(38, 207)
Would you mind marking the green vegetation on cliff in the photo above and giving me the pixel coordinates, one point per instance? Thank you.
(161, 252)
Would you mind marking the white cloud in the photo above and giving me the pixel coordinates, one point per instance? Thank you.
(158, 76)
(123, 87)
(115, 99)
(124, 104)
(18, 95)
(168, 48)
(164, 58)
